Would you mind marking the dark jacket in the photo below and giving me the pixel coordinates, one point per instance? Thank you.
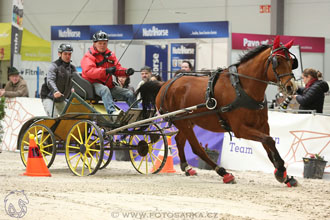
(93, 66)
(312, 98)
(16, 90)
(59, 79)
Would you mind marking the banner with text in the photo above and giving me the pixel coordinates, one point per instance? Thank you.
(295, 135)
(247, 41)
(212, 29)
(156, 58)
(181, 52)
(16, 32)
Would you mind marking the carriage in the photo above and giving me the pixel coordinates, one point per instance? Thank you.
(80, 133)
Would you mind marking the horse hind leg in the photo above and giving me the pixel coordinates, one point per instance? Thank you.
(199, 151)
(180, 140)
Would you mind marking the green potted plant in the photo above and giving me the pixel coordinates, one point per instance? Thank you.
(213, 155)
(314, 166)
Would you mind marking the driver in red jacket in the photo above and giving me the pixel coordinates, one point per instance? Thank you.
(98, 66)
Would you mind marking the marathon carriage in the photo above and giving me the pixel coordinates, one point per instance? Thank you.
(80, 132)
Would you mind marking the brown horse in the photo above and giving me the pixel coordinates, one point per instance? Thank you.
(239, 101)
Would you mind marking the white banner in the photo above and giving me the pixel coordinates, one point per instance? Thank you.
(296, 136)
(18, 111)
(29, 70)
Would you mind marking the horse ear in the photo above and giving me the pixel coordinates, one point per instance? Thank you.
(289, 44)
(276, 42)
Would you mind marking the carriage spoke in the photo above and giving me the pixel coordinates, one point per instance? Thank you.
(73, 147)
(72, 135)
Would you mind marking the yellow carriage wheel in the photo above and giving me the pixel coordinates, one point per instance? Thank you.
(84, 148)
(45, 141)
(152, 149)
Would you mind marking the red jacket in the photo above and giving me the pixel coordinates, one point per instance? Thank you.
(96, 73)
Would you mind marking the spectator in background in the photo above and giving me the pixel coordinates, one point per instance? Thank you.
(124, 82)
(16, 86)
(312, 96)
(99, 64)
(156, 77)
(186, 67)
(59, 82)
(145, 75)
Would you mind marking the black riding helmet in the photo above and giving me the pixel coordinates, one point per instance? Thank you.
(65, 47)
(100, 35)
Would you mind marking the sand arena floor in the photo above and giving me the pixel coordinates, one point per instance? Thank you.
(119, 192)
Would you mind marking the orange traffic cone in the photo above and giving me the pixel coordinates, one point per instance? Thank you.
(36, 165)
(168, 167)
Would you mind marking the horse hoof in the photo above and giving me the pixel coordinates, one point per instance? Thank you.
(291, 182)
(280, 176)
(228, 178)
(191, 172)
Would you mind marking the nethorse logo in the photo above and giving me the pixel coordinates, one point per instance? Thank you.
(68, 33)
(154, 32)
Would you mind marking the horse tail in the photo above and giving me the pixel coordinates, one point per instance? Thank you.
(148, 92)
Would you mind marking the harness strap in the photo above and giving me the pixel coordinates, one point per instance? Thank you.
(242, 99)
(211, 102)
(105, 58)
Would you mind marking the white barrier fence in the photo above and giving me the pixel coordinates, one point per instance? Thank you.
(296, 136)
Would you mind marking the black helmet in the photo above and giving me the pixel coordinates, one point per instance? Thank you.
(100, 35)
(65, 47)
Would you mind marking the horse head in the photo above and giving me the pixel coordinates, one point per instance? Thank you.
(282, 62)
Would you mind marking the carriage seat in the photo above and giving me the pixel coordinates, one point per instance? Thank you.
(84, 88)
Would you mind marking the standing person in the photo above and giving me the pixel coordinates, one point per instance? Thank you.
(312, 96)
(16, 86)
(156, 77)
(186, 66)
(98, 66)
(145, 75)
(124, 82)
(59, 81)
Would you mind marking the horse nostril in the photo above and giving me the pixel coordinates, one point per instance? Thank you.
(289, 89)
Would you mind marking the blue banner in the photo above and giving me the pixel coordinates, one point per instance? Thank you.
(181, 52)
(156, 58)
(115, 32)
(70, 33)
(214, 29)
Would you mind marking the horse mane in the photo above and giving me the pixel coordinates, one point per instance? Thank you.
(252, 53)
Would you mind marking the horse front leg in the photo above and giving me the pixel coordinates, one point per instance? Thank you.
(269, 145)
(180, 140)
(189, 134)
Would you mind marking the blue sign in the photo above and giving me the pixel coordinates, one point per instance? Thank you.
(181, 52)
(115, 32)
(70, 33)
(156, 31)
(156, 58)
(214, 29)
